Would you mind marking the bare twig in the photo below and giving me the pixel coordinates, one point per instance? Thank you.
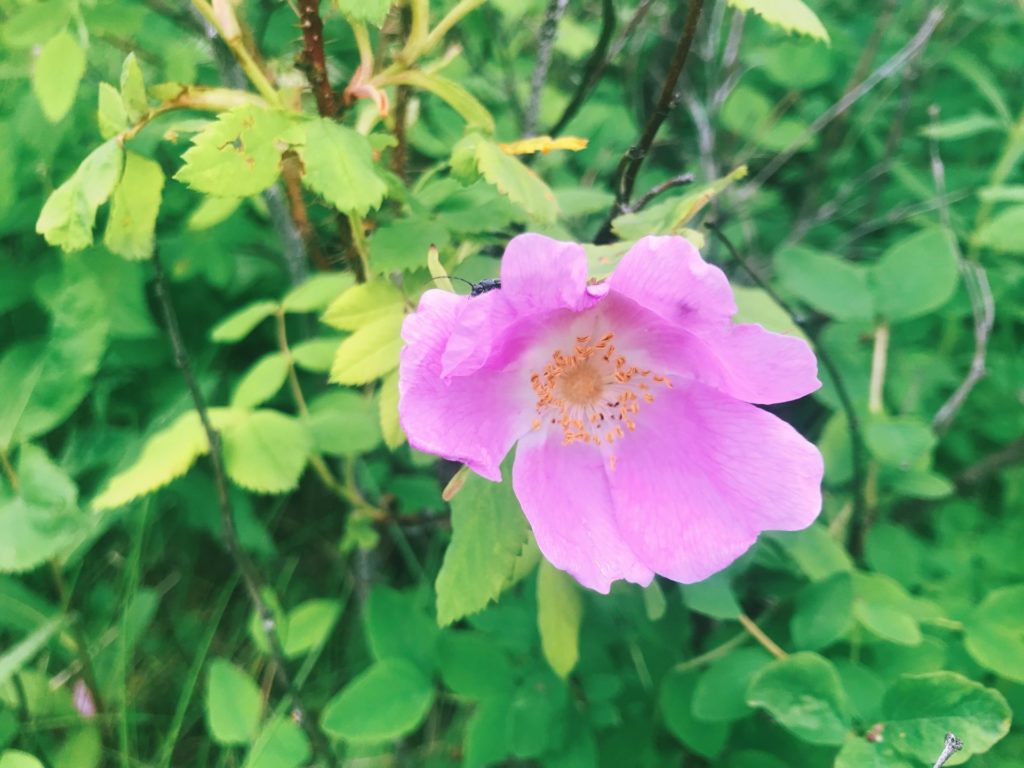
(254, 582)
(751, 628)
(989, 465)
(890, 67)
(879, 360)
(633, 159)
(545, 47)
(657, 189)
(312, 58)
(952, 746)
(983, 306)
(592, 72)
(857, 448)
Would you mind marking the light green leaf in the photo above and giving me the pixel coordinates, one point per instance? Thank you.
(791, 15)
(452, 93)
(675, 700)
(885, 609)
(343, 423)
(823, 613)
(488, 533)
(211, 211)
(1003, 231)
(133, 89)
(559, 614)
(713, 597)
(57, 72)
(239, 324)
(385, 702)
(236, 156)
(363, 304)
(316, 355)
(133, 212)
(316, 293)
(519, 183)
(920, 709)
(14, 758)
(43, 382)
(995, 633)
(915, 276)
(339, 167)
(804, 695)
(28, 25)
(69, 213)
(858, 752)
(814, 551)
(110, 113)
(308, 626)
(402, 245)
(371, 11)
(281, 744)
(370, 352)
(266, 451)
(826, 282)
(233, 704)
(18, 655)
(964, 127)
(390, 426)
(721, 692)
(756, 306)
(261, 382)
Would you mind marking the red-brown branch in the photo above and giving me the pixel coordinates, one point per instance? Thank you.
(313, 60)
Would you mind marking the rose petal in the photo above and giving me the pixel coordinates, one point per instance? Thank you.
(473, 419)
(668, 276)
(539, 274)
(565, 496)
(703, 475)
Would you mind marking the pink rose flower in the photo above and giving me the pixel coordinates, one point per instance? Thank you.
(638, 449)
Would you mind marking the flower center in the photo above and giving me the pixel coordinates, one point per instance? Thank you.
(592, 393)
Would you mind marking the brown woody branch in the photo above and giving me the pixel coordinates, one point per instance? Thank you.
(312, 60)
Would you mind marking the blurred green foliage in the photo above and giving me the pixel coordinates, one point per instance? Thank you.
(865, 160)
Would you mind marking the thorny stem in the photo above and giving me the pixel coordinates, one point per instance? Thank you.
(313, 59)
(255, 585)
(545, 47)
(633, 159)
(758, 634)
(951, 747)
(857, 449)
(595, 64)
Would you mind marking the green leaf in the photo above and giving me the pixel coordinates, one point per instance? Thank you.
(403, 245)
(133, 89)
(371, 11)
(885, 609)
(559, 614)
(859, 752)
(489, 532)
(486, 741)
(69, 213)
(713, 597)
(343, 423)
(27, 25)
(383, 703)
(519, 183)
(236, 156)
(397, 627)
(339, 167)
(56, 75)
(474, 666)
(791, 15)
(900, 442)
(266, 451)
(44, 518)
(316, 293)
(281, 744)
(915, 276)
(390, 426)
(964, 127)
(15, 657)
(239, 324)
(452, 93)
(261, 382)
(814, 551)
(133, 211)
(804, 694)
(370, 352)
(828, 284)
(756, 306)
(920, 709)
(13, 758)
(721, 692)
(110, 114)
(994, 633)
(43, 383)
(823, 613)
(1002, 231)
(316, 355)
(234, 704)
(675, 700)
(363, 304)
(308, 626)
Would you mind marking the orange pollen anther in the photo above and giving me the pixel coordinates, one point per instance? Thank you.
(593, 394)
